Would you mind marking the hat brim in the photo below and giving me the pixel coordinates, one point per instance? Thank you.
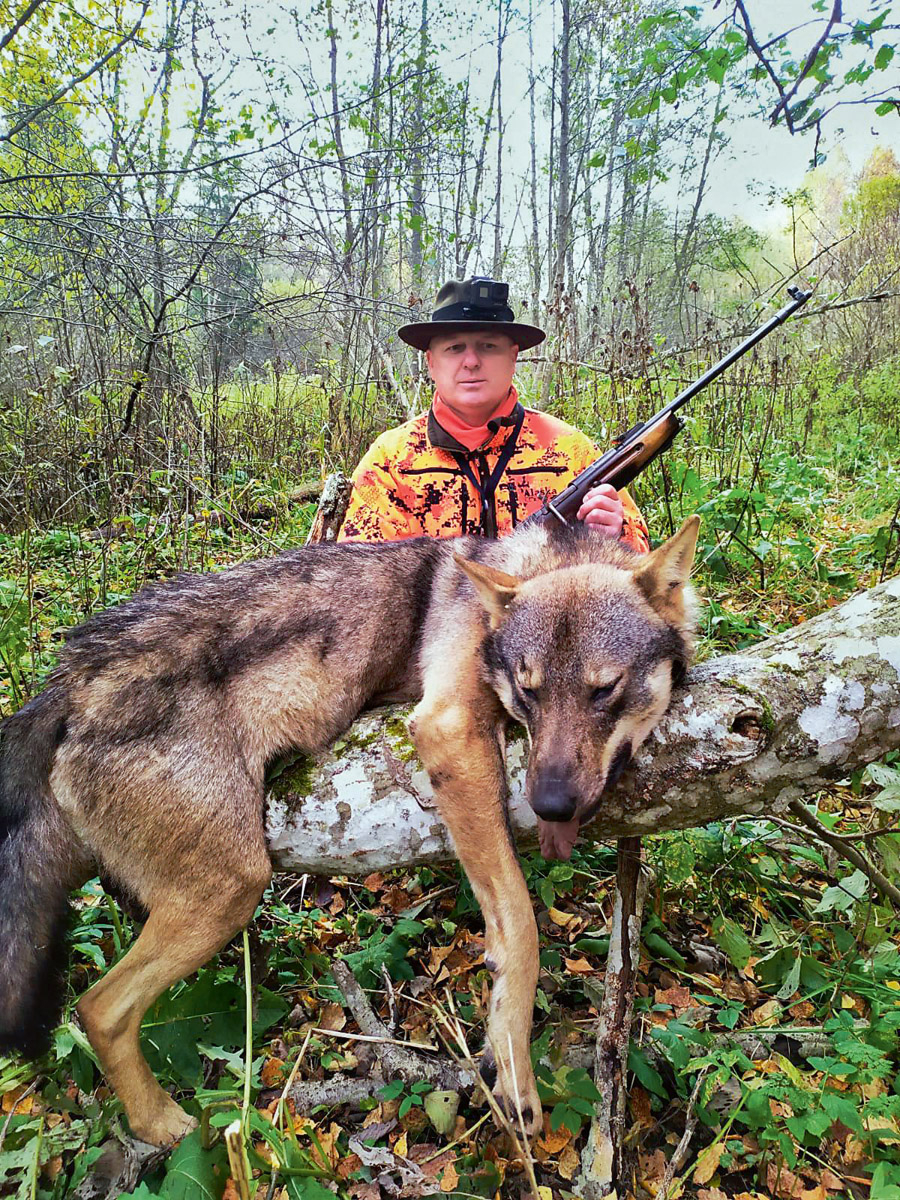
(420, 334)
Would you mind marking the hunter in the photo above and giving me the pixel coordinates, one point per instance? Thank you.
(477, 462)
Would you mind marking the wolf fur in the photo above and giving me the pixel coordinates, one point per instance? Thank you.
(145, 756)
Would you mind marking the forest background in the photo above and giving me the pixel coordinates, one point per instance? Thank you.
(212, 219)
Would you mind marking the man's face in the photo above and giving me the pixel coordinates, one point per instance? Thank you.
(472, 372)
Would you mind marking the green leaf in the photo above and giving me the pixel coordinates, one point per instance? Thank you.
(842, 1108)
(883, 57)
(646, 1075)
(791, 980)
(729, 935)
(391, 1091)
(842, 897)
(660, 947)
(299, 1188)
(193, 1173)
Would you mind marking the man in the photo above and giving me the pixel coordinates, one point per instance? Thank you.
(477, 462)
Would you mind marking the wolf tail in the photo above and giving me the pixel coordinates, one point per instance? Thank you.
(35, 869)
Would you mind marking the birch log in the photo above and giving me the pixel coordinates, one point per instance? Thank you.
(749, 733)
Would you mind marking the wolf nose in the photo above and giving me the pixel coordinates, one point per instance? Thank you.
(553, 800)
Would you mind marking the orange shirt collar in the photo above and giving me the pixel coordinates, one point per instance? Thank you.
(471, 436)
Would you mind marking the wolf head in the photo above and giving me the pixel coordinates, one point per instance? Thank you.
(584, 655)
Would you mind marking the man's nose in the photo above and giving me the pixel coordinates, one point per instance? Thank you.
(471, 358)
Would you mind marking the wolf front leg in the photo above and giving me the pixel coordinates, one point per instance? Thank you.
(457, 737)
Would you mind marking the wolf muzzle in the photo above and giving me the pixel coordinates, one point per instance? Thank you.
(553, 797)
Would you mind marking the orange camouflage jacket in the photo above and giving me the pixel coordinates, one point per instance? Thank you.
(418, 480)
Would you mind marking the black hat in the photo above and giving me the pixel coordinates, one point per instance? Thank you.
(467, 304)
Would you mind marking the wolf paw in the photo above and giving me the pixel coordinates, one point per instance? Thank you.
(524, 1109)
(167, 1124)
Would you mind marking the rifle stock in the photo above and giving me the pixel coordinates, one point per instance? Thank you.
(636, 449)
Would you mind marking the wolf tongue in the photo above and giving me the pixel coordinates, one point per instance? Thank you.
(557, 837)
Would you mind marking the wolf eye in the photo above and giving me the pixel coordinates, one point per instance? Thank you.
(530, 694)
(600, 694)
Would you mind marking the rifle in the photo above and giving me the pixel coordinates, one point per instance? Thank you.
(635, 449)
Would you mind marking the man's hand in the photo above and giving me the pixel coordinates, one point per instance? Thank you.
(602, 510)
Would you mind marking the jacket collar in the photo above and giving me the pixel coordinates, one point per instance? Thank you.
(443, 438)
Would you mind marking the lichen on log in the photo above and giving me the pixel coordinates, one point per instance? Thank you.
(747, 734)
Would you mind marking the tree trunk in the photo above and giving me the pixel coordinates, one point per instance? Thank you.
(750, 733)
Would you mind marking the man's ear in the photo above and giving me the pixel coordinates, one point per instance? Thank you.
(495, 588)
(662, 574)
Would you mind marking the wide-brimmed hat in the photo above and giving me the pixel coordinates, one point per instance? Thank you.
(467, 304)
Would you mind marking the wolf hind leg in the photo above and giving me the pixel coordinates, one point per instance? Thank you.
(182, 933)
(456, 736)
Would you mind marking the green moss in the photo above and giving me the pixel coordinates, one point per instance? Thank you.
(767, 720)
(291, 776)
(398, 734)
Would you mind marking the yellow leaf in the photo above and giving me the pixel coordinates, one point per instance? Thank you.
(568, 1162)
(708, 1162)
(579, 966)
(848, 1001)
(558, 917)
(400, 1146)
(449, 1179)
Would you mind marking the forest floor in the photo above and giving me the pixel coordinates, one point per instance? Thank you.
(768, 965)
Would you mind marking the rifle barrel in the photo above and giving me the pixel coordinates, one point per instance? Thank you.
(798, 299)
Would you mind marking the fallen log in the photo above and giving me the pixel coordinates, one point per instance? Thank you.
(749, 733)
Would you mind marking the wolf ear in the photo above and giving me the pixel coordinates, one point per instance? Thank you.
(662, 574)
(495, 588)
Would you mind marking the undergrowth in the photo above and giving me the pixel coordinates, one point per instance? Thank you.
(769, 969)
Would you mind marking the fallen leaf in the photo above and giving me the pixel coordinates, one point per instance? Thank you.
(374, 882)
(578, 966)
(560, 918)
(652, 1168)
(708, 1162)
(333, 1017)
(272, 1072)
(678, 998)
(400, 1146)
(364, 1191)
(711, 1194)
(639, 1101)
(767, 1013)
(16, 1101)
(348, 1165)
(816, 1193)
(552, 1142)
(782, 1182)
(449, 1179)
(569, 1162)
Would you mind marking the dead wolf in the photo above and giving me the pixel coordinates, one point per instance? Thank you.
(145, 756)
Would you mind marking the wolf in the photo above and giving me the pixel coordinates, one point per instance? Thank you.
(144, 758)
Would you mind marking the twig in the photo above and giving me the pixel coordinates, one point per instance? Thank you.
(877, 878)
(369, 1037)
(675, 1163)
(396, 1059)
(237, 1159)
(393, 1015)
(31, 1087)
(452, 1030)
(602, 1157)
